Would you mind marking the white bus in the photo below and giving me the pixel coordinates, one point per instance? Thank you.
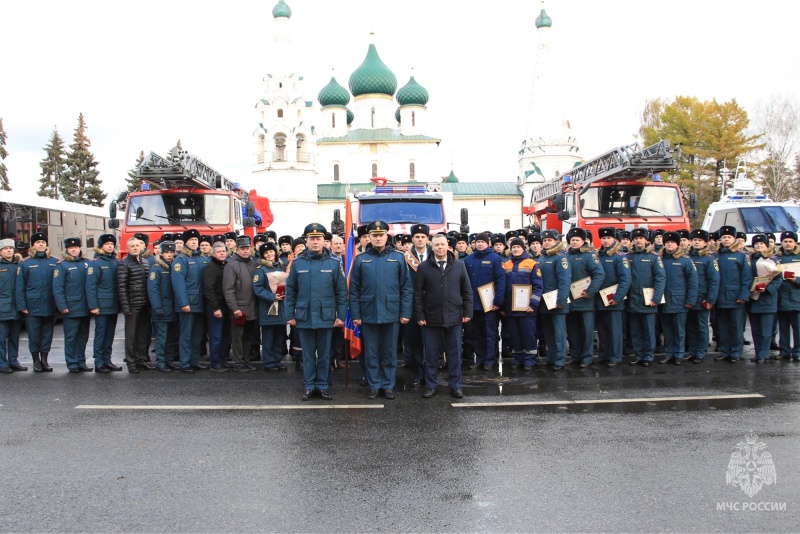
(23, 215)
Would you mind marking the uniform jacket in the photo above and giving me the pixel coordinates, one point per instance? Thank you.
(647, 270)
(148, 257)
(735, 277)
(556, 276)
(789, 296)
(707, 275)
(767, 301)
(212, 285)
(523, 270)
(101, 283)
(8, 288)
(237, 286)
(680, 286)
(617, 271)
(265, 295)
(413, 263)
(159, 291)
(485, 267)
(35, 285)
(316, 291)
(380, 287)
(132, 275)
(187, 280)
(69, 285)
(442, 299)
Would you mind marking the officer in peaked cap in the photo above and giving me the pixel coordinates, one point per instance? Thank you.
(316, 303)
(34, 298)
(380, 273)
(69, 291)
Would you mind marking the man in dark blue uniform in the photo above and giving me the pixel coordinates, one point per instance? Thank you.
(316, 303)
(789, 299)
(162, 307)
(647, 290)
(381, 299)
(680, 295)
(101, 297)
(610, 307)
(10, 323)
(187, 285)
(584, 263)
(697, 334)
(736, 277)
(69, 291)
(554, 307)
(484, 267)
(35, 300)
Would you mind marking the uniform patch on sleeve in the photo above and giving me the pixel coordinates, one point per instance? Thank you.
(625, 263)
(177, 267)
(660, 263)
(565, 263)
(539, 272)
(596, 260)
(255, 279)
(153, 276)
(716, 265)
(55, 273)
(90, 271)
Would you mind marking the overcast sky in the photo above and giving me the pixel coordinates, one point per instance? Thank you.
(149, 72)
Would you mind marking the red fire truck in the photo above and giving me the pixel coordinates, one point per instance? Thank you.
(191, 195)
(621, 188)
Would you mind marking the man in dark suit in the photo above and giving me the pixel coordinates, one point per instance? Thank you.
(442, 303)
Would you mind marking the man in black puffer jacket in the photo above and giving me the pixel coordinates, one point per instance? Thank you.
(132, 275)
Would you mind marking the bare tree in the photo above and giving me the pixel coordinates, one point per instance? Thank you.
(777, 119)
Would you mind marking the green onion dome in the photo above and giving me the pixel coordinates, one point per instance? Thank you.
(373, 76)
(451, 179)
(333, 94)
(412, 93)
(282, 10)
(543, 20)
(397, 115)
(350, 117)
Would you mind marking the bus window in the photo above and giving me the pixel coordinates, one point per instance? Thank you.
(55, 218)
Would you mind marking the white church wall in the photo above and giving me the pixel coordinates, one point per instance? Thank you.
(489, 213)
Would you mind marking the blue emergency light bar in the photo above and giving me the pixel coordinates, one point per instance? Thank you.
(400, 189)
(145, 187)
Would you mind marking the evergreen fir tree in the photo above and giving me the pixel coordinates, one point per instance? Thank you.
(133, 181)
(53, 168)
(81, 183)
(3, 153)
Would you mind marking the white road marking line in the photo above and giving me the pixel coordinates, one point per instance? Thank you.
(230, 407)
(603, 401)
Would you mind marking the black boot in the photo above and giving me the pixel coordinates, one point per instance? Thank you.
(37, 362)
(45, 367)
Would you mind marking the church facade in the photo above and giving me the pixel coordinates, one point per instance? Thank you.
(306, 158)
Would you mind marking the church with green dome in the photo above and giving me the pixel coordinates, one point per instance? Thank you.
(308, 153)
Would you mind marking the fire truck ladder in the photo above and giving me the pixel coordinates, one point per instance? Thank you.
(181, 169)
(625, 162)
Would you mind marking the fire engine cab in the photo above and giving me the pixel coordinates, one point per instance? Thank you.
(190, 194)
(621, 188)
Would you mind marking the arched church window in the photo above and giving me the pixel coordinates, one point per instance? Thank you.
(412, 171)
(262, 115)
(280, 148)
(333, 120)
(335, 172)
(280, 113)
(374, 170)
(302, 153)
(372, 117)
(280, 85)
(413, 119)
(260, 149)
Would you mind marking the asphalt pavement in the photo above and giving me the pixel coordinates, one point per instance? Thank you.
(628, 449)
